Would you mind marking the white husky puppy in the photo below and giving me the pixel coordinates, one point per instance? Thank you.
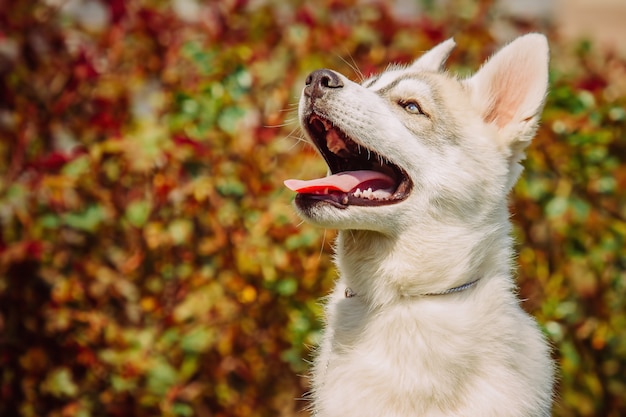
(424, 319)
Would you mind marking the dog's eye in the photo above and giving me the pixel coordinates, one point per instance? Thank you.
(411, 107)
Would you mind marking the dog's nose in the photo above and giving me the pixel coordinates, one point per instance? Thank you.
(321, 81)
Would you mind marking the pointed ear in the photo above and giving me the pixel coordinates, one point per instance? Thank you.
(509, 92)
(434, 59)
(511, 87)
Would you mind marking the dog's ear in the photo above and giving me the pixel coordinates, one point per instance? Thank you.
(434, 59)
(511, 86)
(509, 91)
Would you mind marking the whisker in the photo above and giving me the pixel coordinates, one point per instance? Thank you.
(279, 125)
(353, 66)
(319, 257)
(299, 141)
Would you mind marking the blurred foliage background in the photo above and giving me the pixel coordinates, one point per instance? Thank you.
(150, 261)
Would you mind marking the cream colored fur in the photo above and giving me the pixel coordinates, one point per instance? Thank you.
(393, 350)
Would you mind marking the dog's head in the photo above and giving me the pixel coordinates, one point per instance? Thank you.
(415, 143)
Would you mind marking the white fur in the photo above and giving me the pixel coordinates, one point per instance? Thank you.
(392, 350)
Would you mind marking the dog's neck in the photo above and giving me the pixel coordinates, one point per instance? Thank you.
(374, 266)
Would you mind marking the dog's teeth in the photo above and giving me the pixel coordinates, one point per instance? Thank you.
(371, 195)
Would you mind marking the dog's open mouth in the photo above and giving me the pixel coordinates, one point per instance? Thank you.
(359, 176)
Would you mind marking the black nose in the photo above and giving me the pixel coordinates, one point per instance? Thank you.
(321, 81)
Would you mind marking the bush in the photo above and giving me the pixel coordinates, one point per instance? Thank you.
(150, 261)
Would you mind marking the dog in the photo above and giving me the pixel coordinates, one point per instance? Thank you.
(424, 319)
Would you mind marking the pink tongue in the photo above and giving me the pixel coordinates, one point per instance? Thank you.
(344, 181)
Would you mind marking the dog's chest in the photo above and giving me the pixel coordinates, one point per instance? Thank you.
(429, 357)
(393, 350)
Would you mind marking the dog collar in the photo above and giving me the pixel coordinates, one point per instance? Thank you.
(456, 289)
(349, 293)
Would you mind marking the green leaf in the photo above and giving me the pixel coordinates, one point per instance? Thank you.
(50, 221)
(556, 207)
(182, 409)
(580, 208)
(121, 384)
(287, 287)
(77, 167)
(197, 340)
(137, 212)
(161, 376)
(87, 220)
(229, 119)
(303, 239)
(59, 383)
(231, 187)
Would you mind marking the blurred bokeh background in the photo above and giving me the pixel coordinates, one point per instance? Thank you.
(150, 261)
